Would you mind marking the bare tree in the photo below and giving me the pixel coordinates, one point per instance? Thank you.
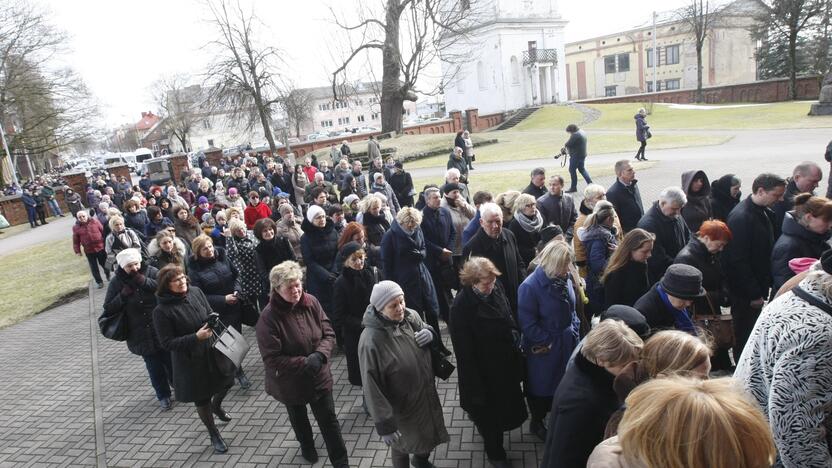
(411, 35)
(180, 106)
(298, 106)
(49, 107)
(243, 80)
(784, 22)
(700, 18)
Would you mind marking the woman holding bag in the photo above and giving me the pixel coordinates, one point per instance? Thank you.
(180, 319)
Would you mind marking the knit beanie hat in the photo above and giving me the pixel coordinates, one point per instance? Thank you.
(314, 211)
(350, 198)
(202, 200)
(348, 249)
(128, 256)
(384, 292)
(285, 208)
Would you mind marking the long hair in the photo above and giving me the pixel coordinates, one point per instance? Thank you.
(350, 230)
(634, 240)
(673, 352)
(685, 423)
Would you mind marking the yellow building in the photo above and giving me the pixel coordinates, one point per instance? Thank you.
(622, 63)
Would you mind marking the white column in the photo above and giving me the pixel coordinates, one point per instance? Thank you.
(535, 88)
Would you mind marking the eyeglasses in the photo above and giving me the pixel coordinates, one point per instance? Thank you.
(179, 279)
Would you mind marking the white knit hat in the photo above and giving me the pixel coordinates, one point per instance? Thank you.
(314, 211)
(128, 256)
(384, 292)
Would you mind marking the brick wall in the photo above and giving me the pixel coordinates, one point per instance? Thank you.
(776, 90)
(15, 212)
(119, 170)
(179, 163)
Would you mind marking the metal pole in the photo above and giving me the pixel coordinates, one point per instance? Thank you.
(655, 53)
(9, 155)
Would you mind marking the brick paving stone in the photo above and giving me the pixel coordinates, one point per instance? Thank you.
(46, 415)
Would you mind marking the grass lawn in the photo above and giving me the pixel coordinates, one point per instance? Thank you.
(764, 116)
(516, 180)
(38, 277)
(520, 145)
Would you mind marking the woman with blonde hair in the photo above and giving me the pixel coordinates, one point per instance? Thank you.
(506, 202)
(486, 341)
(625, 278)
(585, 399)
(550, 325)
(681, 422)
(526, 226)
(598, 237)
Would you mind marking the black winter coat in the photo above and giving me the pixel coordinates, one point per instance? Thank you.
(782, 207)
(486, 341)
(438, 229)
(795, 241)
(698, 208)
(747, 257)
(460, 164)
(581, 407)
(526, 241)
(217, 278)
(627, 203)
(350, 301)
(697, 255)
(504, 254)
(672, 235)
(559, 210)
(721, 200)
(535, 191)
(137, 308)
(626, 285)
(272, 253)
(402, 184)
(375, 226)
(654, 310)
(177, 319)
(404, 257)
(576, 145)
(319, 247)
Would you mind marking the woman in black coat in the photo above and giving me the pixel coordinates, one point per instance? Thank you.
(132, 292)
(209, 270)
(725, 195)
(271, 250)
(625, 279)
(350, 301)
(402, 184)
(805, 234)
(526, 226)
(181, 325)
(486, 340)
(585, 398)
(319, 247)
(374, 221)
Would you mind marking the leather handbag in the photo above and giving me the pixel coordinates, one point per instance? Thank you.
(113, 325)
(230, 348)
(719, 326)
(442, 367)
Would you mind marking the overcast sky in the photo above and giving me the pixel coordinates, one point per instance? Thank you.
(121, 47)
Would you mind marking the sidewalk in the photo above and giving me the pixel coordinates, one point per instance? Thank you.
(47, 415)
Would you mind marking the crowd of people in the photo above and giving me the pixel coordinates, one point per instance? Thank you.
(598, 321)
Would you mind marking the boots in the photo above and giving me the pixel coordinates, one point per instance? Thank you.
(421, 461)
(216, 407)
(207, 418)
(245, 383)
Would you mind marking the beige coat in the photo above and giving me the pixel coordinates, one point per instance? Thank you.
(608, 454)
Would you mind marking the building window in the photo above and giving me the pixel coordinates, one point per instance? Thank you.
(481, 80)
(671, 54)
(650, 86)
(325, 106)
(206, 124)
(373, 100)
(609, 64)
(210, 142)
(515, 70)
(361, 118)
(343, 120)
(617, 63)
(326, 123)
(609, 91)
(650, 57)
(672, 84)
(623, 62)
(374, 116)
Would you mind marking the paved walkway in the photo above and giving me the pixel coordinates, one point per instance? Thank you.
(48, 409)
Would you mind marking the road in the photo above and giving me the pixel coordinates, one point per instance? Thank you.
(746, 154)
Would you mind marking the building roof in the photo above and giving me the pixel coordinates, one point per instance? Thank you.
(149, 119)
(350, 89)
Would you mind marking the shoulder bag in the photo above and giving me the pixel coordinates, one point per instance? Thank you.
(229, 348)
(718, 325)
(113, 325)
(812, 300)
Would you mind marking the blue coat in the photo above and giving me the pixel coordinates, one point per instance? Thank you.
(403, 257)
(439, 234)
(471, 229)
(546, 318)
(597, 240)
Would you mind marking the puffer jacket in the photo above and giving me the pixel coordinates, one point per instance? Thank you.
(796, 241)
(137, 304)
(90, 235)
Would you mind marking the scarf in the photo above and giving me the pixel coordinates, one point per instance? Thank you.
(681, 318)
(561, 283)
(528, 224)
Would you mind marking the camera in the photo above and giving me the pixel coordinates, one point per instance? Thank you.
(562, 153)
(212, 320)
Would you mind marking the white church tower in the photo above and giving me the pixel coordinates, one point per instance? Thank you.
(516, 59)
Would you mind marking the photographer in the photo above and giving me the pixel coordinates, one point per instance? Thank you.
(576, 147)
(183, 328)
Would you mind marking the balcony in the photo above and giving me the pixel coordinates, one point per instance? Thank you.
(544, 56)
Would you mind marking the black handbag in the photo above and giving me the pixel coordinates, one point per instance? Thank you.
(442, 367)
(113, 325)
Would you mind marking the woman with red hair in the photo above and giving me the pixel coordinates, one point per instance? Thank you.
(703, 253)
(355, 232)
